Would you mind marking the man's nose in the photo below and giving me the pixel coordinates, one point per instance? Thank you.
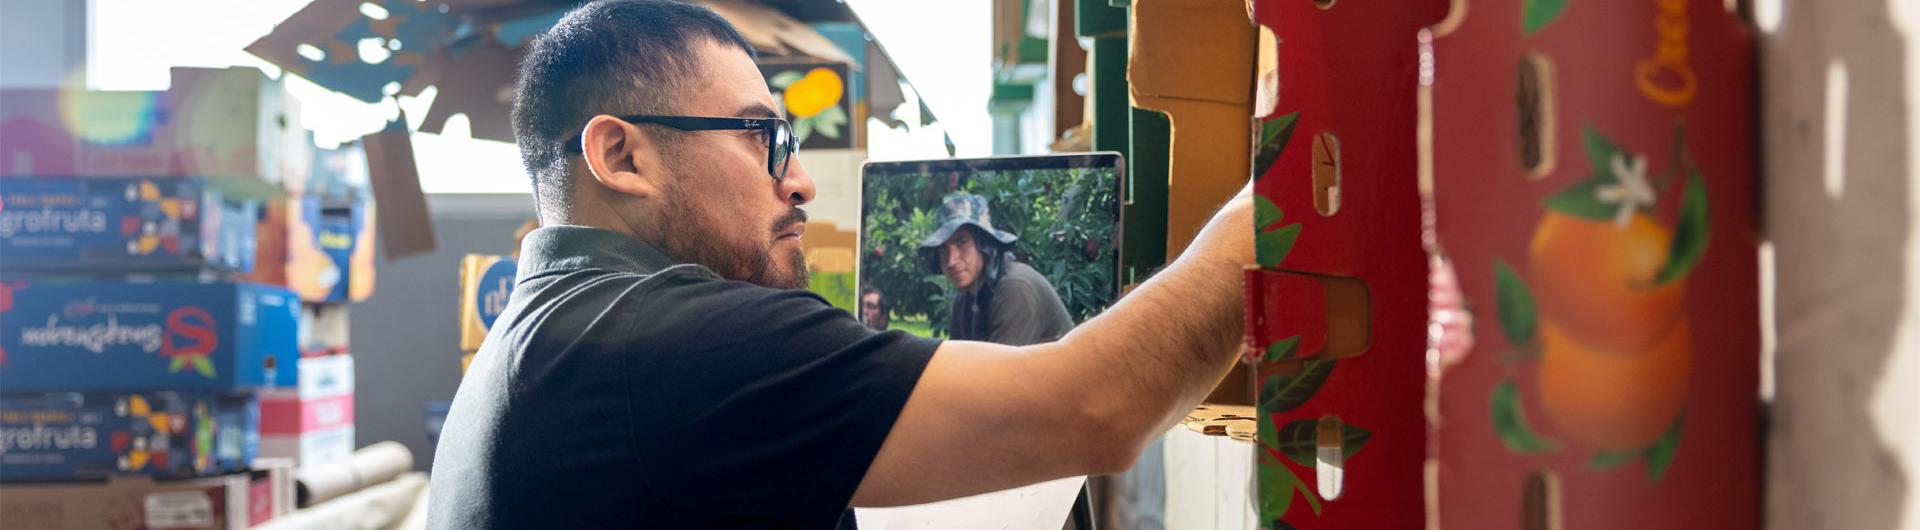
(797, 186)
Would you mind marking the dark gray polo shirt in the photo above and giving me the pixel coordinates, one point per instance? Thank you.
(622, 390)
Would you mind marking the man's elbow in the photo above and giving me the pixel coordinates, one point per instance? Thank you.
(1114, 438)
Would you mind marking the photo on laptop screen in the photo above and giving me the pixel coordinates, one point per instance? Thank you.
(1013, 250)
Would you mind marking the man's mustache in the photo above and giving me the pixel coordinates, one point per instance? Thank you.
(796, 215)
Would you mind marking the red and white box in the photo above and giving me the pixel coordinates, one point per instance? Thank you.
(312, 424)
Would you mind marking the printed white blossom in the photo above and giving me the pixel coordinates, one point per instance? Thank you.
(1630, 189)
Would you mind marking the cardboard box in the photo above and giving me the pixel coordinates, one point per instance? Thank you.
(60, 337)
(232, 122)
(322, 250)
(1508, 267)
(325, 329)
(311, 449)
(312, 424)
(322, 401)
(74, 436)
(486, 282)
(214, 503)
(124, 224)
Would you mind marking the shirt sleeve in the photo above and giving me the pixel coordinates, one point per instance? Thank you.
(762, 403)
(1014, 312)
(1027, 312)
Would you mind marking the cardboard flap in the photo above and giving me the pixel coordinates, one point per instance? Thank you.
(476, 81)
(1199, 50)
(771, 31)
(1193, 60)
(407, 228)
(356, 48)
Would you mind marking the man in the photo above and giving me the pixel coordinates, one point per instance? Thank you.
(873, 308)
(996, 299)
(658, 367)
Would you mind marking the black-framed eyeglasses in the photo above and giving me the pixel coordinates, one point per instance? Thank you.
(781, 143)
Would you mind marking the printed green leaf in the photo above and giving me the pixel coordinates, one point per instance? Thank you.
(1271, 247)
(1583, 200)
(1299, 440)
(1689, 232)
(1611, 459)
(1265, 213)
(1510, 422)
(802, 128)
(1277, 484)
(786, 79)
(1281, 349)
(1518, 314)
(1313, 499)
(1280, 525)
(203, 365)
(177, 364)
(1660, 455)
(1286, 392)
(829, 120)
(1274, 135)
(1539, 13)
(1600, 151)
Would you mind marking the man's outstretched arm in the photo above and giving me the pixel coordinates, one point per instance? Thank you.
(986, 417)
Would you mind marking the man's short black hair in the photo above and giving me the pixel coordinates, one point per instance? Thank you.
(608, 57)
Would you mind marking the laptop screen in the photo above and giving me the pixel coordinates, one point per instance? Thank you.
(1008, 249)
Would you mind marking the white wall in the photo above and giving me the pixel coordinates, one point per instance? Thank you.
(1841, 122)
(43, 43)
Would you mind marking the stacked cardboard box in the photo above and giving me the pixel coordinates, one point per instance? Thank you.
(134, 355)
(486, 282)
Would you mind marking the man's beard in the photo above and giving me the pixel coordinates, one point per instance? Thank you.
(689, 238)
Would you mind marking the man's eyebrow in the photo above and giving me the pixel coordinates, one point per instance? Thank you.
(756, 110)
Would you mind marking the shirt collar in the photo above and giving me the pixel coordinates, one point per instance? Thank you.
(570, 248)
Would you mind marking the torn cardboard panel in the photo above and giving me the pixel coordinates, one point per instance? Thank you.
(476, 81)
(406, 226)
(773, 32)
(362, 49)
(1194, 61)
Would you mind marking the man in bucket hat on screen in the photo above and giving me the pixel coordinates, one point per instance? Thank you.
(996, 299)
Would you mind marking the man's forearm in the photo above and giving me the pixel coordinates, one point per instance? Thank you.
(1169, 342)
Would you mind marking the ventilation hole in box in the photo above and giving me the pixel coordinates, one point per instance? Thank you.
(1533, 96)
(1330, 457)
(1540, 502)
(1324, 4)
(1326, 173)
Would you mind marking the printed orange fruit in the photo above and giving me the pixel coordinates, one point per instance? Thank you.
(1614, 401)
(1597, 279)
(821, 88)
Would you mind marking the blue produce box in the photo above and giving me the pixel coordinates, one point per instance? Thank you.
(123, 224)
(77, 337)
(86, 436)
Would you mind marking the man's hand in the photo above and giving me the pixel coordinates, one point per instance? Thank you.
(987, 417)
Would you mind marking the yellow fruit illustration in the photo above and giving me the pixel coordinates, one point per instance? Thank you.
(821, 88)
(1612, 400)
(1596, 280)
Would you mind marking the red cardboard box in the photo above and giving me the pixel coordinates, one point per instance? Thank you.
(1508, 274)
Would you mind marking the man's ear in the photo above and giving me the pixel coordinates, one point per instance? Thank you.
(621, 157)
